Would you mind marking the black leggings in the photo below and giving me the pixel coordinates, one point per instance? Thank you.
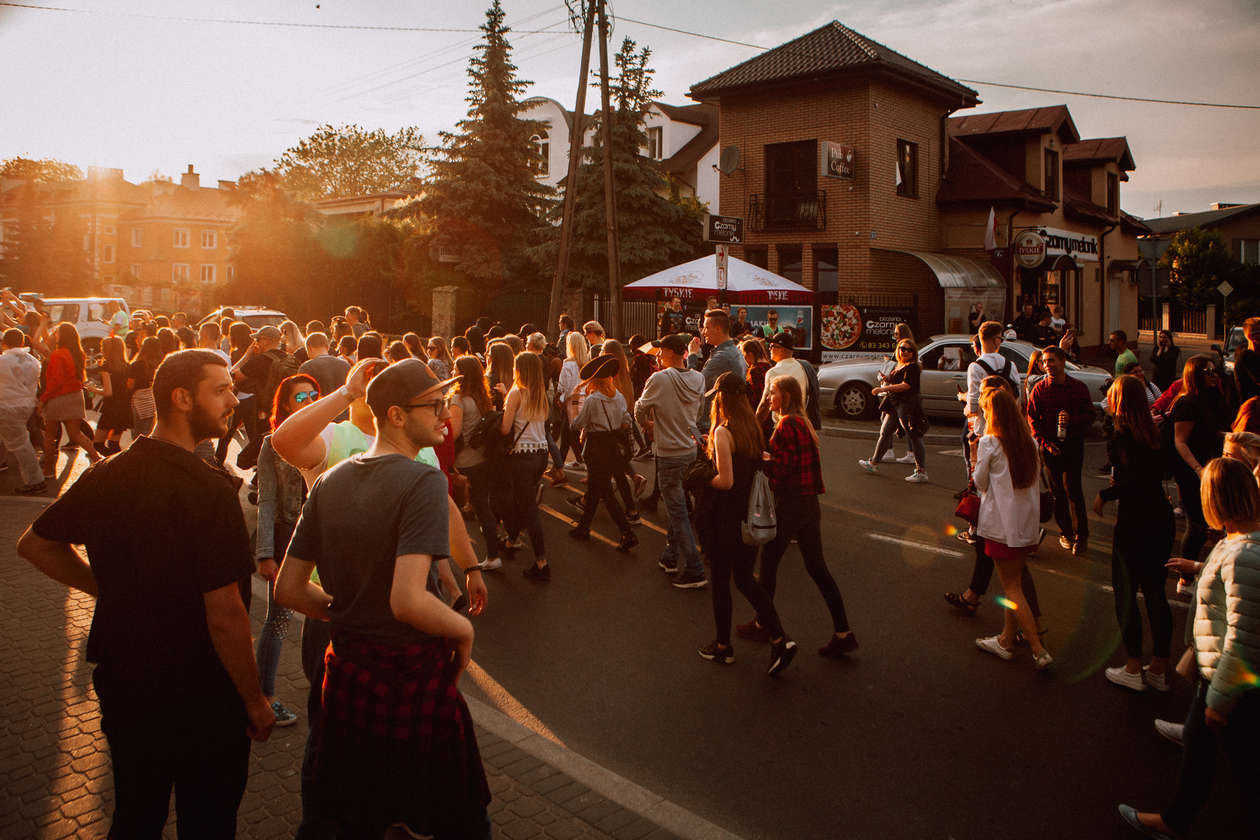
(729, 556)
(569, 440)
(520, 501)
(479, 481)
(602, 464)
(800, 517)
(1196, 526)
(1139, 551)
(982, 572)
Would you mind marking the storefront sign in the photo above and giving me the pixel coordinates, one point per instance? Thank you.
(866, 330)
(1029, 249)
(837, 160)
(767, 320)
(1067, 243)
(728, 229)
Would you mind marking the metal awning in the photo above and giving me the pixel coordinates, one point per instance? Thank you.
(956, 272)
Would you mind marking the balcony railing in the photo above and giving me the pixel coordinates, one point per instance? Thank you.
(797, 210)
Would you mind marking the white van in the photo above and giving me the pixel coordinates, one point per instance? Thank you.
(90, 317)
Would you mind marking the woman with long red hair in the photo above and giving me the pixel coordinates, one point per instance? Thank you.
(64, 380)
(1010, 516)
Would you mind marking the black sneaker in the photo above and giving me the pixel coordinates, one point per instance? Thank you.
(577, 502)
(667, 568)
(533, 572)
(782, 653)
(690, 580)
(580, 533)
(837, 647)
(632, 516)
(713, 653)
(628, 542)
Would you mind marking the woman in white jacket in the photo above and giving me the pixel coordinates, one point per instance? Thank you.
(1009, 521)
(569, 395)
(1225, 712)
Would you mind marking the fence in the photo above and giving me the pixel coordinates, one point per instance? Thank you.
(1181, 319)
(637, 316)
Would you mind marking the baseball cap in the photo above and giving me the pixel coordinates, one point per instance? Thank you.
(674, 343)
(728, 382)
(782, 339)
(400, 383)
(267, 332)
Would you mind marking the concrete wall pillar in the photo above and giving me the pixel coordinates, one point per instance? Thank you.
(444, 310)
(1165, 316)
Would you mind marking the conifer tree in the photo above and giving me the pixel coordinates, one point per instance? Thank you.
(483, 201)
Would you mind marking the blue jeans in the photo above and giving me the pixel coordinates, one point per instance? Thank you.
(680, 541)
(275, 628)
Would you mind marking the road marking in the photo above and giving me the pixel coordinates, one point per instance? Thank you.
(509, 705)
(642, 521)
(922, 546)
(951, 452)
(30, 500)
(558, 515)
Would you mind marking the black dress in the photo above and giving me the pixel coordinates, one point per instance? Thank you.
(116, 408)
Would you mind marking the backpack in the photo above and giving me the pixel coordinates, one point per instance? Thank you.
(283, 365)
(1005, 374)
(487, 427)
(760, 526)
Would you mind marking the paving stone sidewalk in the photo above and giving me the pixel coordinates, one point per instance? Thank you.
(54, 764)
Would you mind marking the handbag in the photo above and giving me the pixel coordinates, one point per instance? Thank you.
(143, 405)
(699, 474)
(761, 524)
(968, 508)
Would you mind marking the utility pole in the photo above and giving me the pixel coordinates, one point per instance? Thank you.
(570, 184)
(613, 325)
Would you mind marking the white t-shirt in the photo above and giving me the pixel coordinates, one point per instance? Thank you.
(792, 368)
(976, 374)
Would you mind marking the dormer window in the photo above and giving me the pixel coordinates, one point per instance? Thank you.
(542, 154)
(656, 144)
(1052, 175)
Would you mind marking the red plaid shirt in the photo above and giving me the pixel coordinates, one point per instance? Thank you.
(795, 467)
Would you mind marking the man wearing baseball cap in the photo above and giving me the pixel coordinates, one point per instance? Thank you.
(786, 364)
(669, 406)
(395, 742)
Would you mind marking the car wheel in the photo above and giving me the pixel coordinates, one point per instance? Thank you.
(853, 401)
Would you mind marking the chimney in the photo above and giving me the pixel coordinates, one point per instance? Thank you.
(190, 180)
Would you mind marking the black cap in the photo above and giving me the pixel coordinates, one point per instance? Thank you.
(400, 383)
(675, 343)
(782, 339)
(728, 382)
(600, 367)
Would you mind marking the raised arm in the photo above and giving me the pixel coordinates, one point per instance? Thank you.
(297, 439)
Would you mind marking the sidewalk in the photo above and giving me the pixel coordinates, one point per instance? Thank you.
(54, 764)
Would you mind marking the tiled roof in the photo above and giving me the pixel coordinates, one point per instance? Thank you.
(1054, 118)
(1132, 224)
(1208, 218)
(1077, 207)
(685, 159)
(1101, 148)
(700, 115)
(179, 202)
(972, 177)
(832, 48)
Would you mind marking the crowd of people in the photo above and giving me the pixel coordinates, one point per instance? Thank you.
(366, 456)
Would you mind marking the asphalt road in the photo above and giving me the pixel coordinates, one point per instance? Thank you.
(917, 735)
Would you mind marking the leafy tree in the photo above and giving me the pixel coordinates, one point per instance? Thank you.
(349, 160)
(1197, 261)
(483, 202)
(657, 227)
(43, 255)
(45, 171)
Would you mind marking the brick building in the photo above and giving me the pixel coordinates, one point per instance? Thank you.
(158, 244)
(855, 180)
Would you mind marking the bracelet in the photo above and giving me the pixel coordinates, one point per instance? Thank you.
(474, 568)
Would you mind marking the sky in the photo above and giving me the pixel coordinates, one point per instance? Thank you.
(119, 83)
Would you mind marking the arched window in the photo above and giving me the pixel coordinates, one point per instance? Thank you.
(542, 153)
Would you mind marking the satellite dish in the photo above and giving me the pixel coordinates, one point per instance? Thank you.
(728, 162)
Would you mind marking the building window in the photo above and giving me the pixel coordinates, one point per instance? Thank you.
(137, 237)
(135, 271)
(826, 271)
(107, 253)
(656, 142)
(907, 169)
(1052, 175)
(209, 239)
(179, 273)
(1247, 251)
(207, 275)
(179, 237)
(757, 255)
(792, 200)
(542, 154)
(1113, 194)
(790, 265)
(231, 273)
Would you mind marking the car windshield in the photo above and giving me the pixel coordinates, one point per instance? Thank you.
(1235, 340)
(259, 320)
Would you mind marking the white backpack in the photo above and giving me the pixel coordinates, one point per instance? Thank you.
(760, 525)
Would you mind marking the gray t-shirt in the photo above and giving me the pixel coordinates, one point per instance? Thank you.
(359, 517)
(329, 371)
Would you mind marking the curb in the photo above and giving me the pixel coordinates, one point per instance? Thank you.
(634, 798)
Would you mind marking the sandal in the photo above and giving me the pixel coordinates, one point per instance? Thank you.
(959, 600)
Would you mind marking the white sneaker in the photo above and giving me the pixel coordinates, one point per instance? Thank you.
(917, 477)
(990, 644)
(1124, 679)
(1043, 660)
(868, 466)
(1174, 732)
(1159, 682)
(492, 563)
(908, 458)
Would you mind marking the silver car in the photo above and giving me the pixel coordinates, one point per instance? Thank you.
(846, 385)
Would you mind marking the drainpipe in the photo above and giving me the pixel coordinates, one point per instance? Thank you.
(1102, 283)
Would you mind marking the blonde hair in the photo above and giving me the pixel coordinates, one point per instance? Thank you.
(1243, 446)
(292, 335)
(576, 348)
(529, 380)
(1007, 423)
(613, 348)
(1231, 500)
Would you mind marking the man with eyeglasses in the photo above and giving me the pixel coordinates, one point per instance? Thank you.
(395, 743)
(1061, 413)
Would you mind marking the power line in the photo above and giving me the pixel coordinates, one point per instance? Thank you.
(974, 81)
(243, 22)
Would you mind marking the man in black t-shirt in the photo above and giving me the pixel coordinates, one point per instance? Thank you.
(395, 742)
(169, 562)
(1247, 365)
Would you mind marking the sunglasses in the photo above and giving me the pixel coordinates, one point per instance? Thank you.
(1211, 372)
(305, 396)
(436, 405)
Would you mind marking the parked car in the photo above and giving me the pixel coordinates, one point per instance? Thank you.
(90, 317)
(254, 316)
(1233, 341)
(846, 385)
